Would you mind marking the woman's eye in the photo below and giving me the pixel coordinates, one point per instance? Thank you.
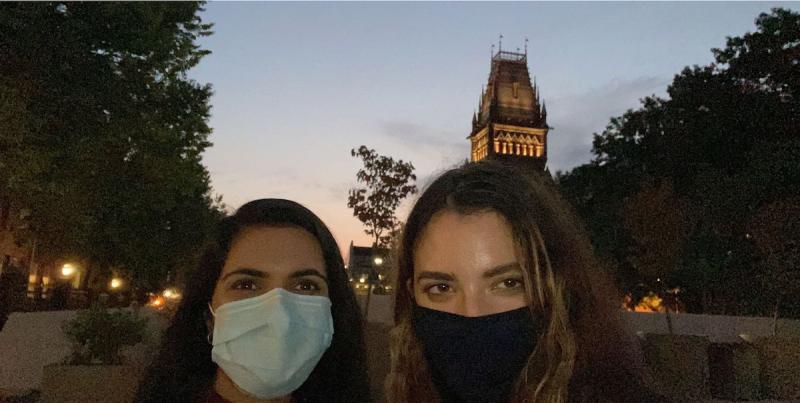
(440, 288)
(510, 283)
(307, 286)
(244, 285)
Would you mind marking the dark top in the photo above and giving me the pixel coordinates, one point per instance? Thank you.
(213, 397)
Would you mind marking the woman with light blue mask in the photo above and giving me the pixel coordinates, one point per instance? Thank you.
(268, 317)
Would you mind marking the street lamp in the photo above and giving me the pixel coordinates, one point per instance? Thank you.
(377, 261)
(115, 283)
(171, 293)
(67, 270)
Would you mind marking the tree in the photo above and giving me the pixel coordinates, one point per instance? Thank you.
(102, 133)
(656, 221)
(776, 234)
(726, 138)
(386, 183)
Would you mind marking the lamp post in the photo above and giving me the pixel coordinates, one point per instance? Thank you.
(376, 262)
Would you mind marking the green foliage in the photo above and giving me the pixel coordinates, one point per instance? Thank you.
(98, 335)
(102, 132)
(727, 140)
(386, 183)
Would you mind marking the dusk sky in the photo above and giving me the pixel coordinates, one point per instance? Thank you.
(297, 85)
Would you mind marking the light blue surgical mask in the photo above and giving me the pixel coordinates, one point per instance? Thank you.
(268, 345)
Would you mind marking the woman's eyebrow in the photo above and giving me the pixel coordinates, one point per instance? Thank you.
(435, 275)
(502, 270)
(308, 272)
(247, 272)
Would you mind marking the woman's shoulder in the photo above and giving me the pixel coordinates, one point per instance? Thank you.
(612, 385)
(211, 396)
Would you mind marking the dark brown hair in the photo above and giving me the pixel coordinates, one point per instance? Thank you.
(583, 353)
(183, 370)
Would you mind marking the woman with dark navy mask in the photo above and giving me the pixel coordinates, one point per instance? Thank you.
(500, 299)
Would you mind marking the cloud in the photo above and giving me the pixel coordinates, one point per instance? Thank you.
(576, 117)
(422, 136)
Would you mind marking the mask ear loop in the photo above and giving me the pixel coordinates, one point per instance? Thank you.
(209, 335)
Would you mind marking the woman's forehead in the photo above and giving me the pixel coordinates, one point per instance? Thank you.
(274, 248)
(464, 243)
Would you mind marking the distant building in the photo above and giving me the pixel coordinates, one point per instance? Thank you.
(511, 122)
(19, 259)
(369, 266)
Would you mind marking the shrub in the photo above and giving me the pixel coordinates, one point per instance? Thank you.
(734, 371)
(678, 365)
(780, 367)
(99, 334)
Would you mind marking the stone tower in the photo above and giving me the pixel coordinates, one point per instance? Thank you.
(511, 123)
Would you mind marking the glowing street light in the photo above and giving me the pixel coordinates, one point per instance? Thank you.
(116, 283)
(67, 270)
(378, 261)
(171, 293)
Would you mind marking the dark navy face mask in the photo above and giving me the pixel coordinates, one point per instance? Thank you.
(475, 359)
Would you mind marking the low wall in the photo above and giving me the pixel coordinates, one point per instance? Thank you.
(90, 383)
(718, 328)
(31, 340)
(380, 308)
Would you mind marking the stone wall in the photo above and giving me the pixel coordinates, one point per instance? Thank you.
(31, 340)
(718, 328)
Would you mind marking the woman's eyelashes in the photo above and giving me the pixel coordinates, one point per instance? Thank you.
(437, 288)
(306, 286)
(509, 284)
(310, 286)
(245, 285)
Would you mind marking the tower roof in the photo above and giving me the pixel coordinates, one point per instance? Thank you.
(510, 97)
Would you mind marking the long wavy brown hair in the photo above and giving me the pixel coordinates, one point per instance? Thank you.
(583, 352)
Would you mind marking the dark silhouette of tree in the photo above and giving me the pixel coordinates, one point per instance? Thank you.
(727, 138)
(776, 233)
(102, 132)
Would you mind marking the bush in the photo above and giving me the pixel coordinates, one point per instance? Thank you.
(780, 367)
(678, 365)
(12, 293)
(98, 335)
(31, 396)
(734, 371)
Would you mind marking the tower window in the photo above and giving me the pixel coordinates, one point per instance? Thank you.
(515, 89)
